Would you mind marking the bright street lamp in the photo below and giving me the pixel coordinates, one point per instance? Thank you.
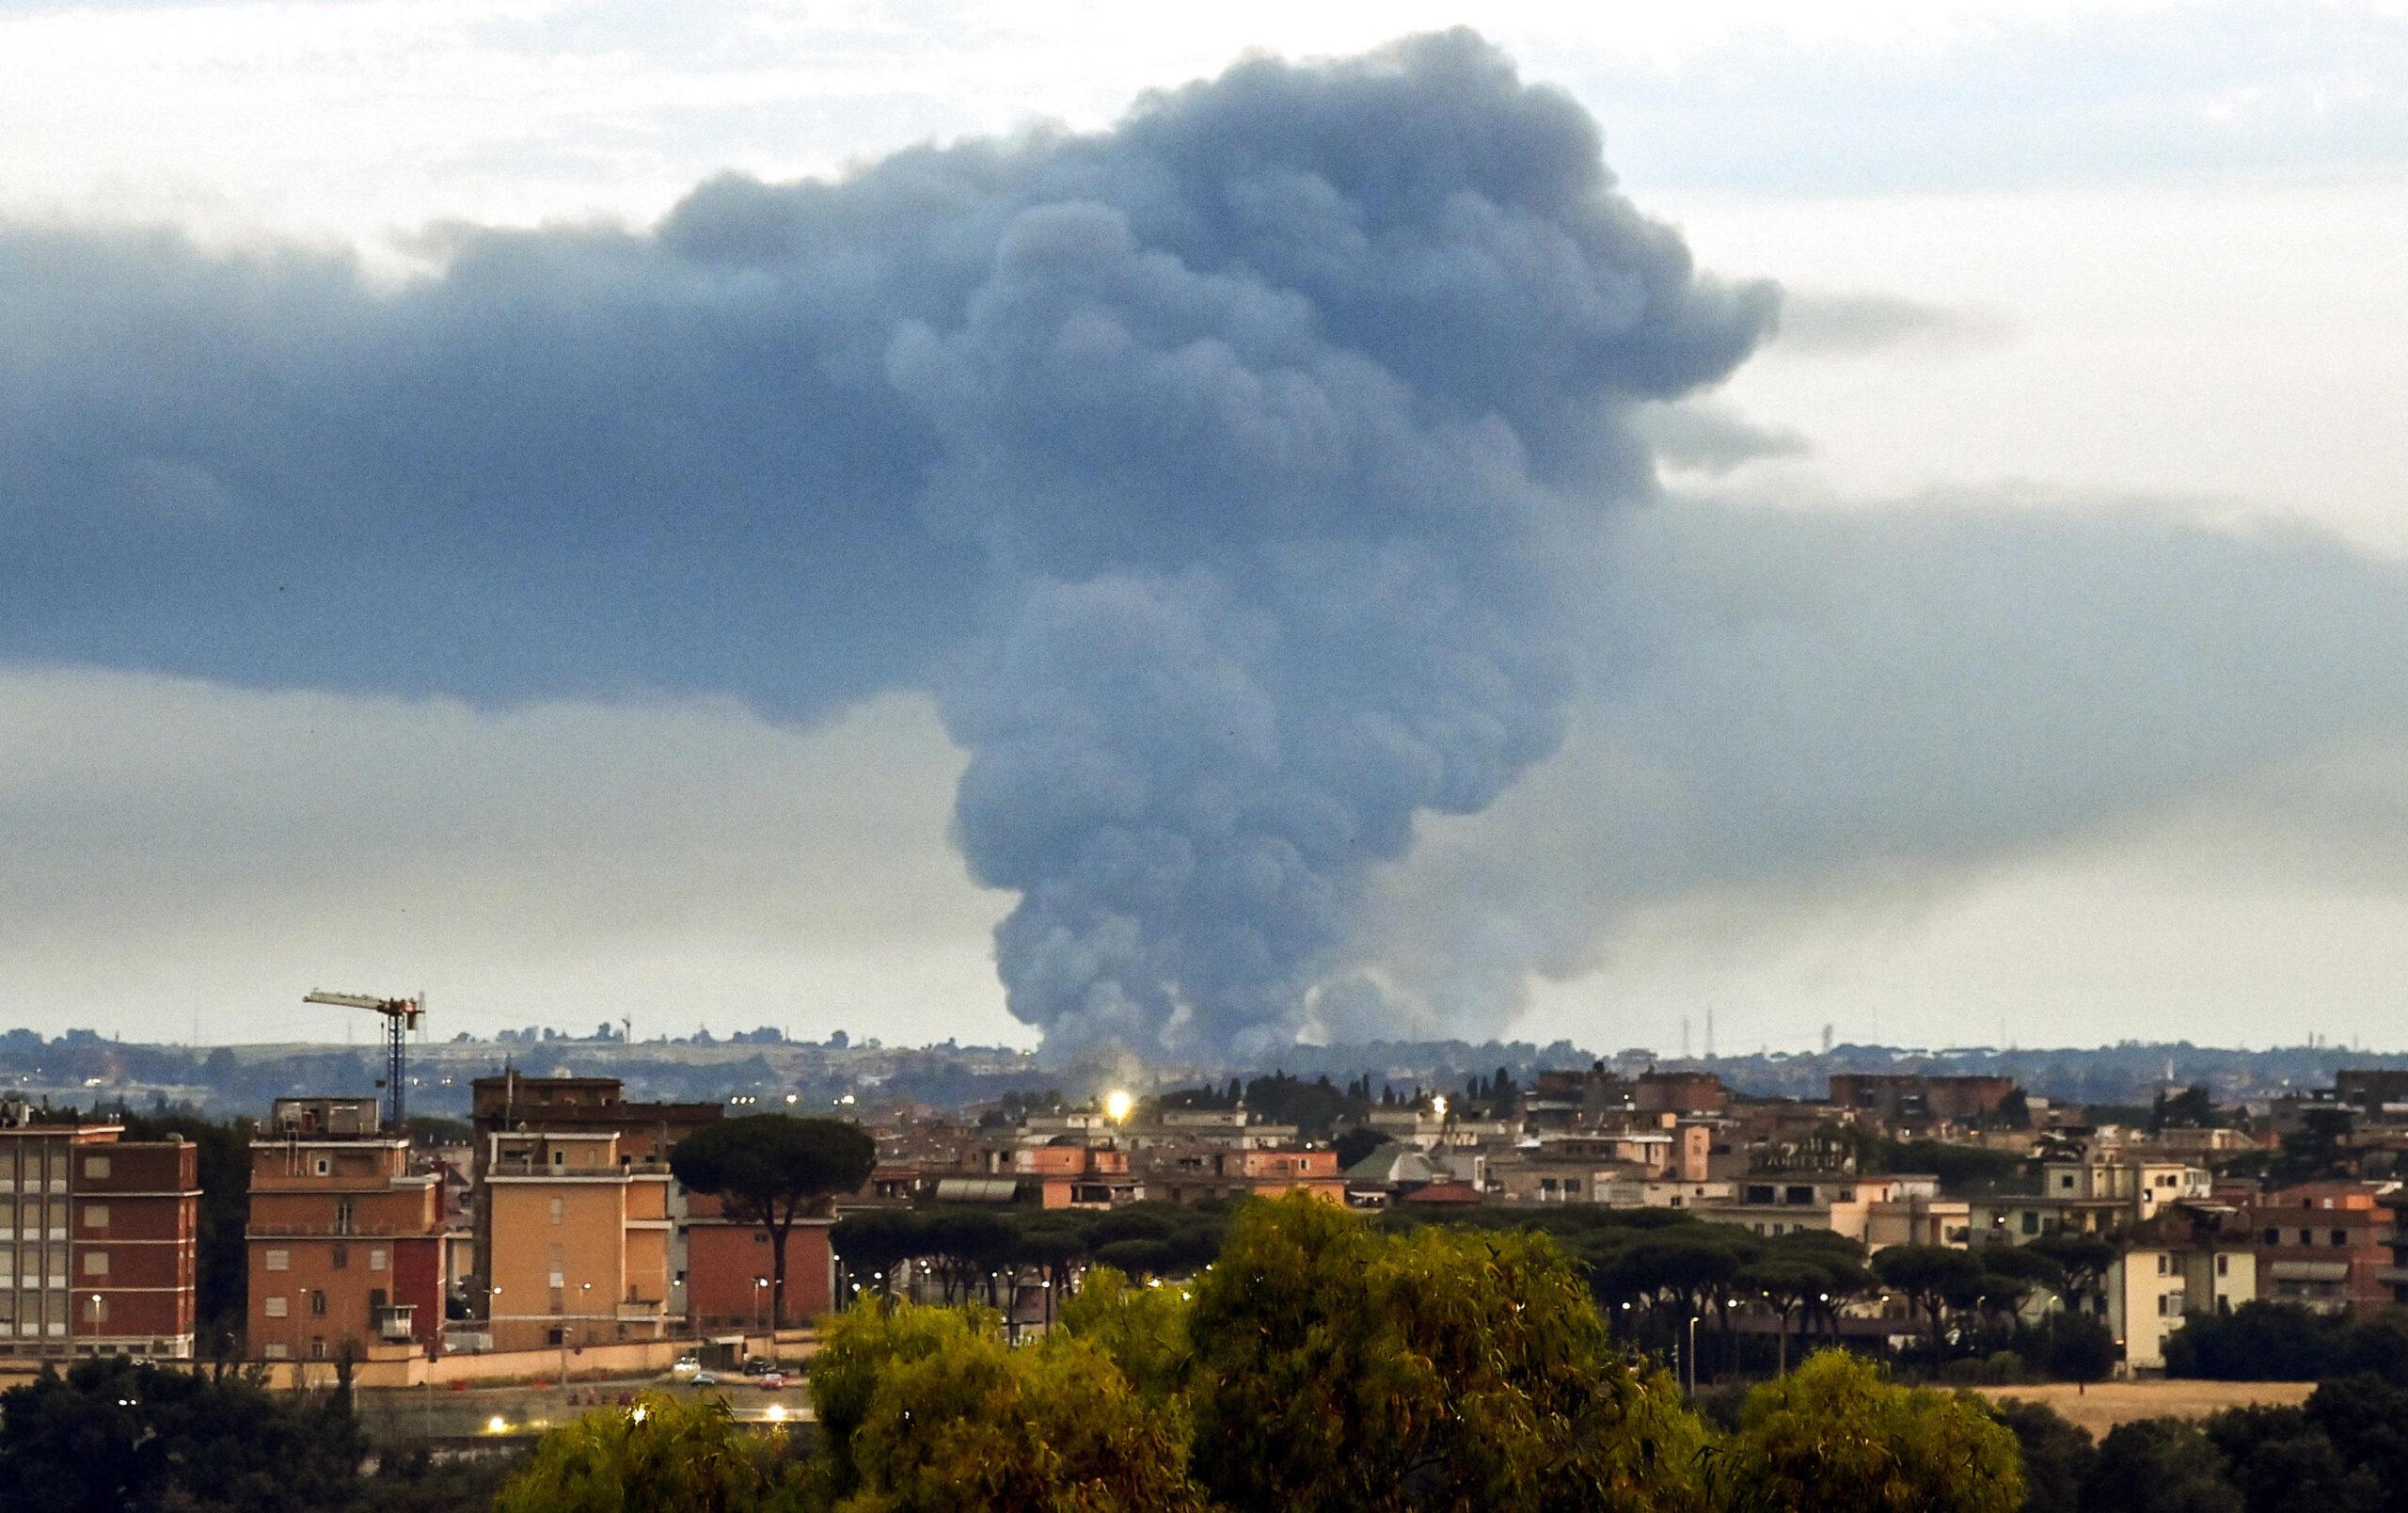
(1116, 1105)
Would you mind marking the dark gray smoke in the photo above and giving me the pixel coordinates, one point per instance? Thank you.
(1217, 472)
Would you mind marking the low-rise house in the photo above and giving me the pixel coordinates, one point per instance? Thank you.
(1876, 1211)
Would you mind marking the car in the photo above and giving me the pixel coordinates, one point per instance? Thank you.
(770, 1381)
(702, 1378)
(685, 1368)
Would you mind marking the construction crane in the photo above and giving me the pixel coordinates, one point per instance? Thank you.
(402, 1015)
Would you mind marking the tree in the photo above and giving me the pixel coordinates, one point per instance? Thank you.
(109, 1436)
(2159, 1466)
(1336, 1367)
(1786, 1286)
(2056, 1456)
(772, 1170)
(1835, 1437)
(926, 1409)
(2077, 1347)
(1931, 1276)
(2083, 1259)
(658, 1453)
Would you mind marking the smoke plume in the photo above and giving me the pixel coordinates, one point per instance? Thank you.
(1217, 472)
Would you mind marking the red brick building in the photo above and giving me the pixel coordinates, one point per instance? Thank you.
(728, 1268)
(97, 1238)
(345, 1237)
(2328, 1246)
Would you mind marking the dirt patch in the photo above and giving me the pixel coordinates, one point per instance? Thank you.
(2107, 1404)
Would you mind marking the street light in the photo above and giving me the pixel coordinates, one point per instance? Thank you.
(1692, 1355)
(1116, 1105)
(761, 1304)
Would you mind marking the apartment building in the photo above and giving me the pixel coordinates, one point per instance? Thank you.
(1876, 1211)
(1190, 1173)
(1065, 1174)
(96, 1236)
(2171, 1270)
(729, 1267)
(517, 1104)
(2328, 1246)
(1918, 1102)
(345, 1239)
(578, 1235)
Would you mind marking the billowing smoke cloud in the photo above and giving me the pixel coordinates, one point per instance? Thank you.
(1220, 473)
(1790, 713)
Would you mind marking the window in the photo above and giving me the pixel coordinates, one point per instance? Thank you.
(2274, 1236)
(2308, 1237)
(1571, 1186)
(376, 1258)
(274, 1308)
(559, 1208)
(2224, 1266)
(340, 1258)
(2031, 1222)
(272, 1350)
(317, 1304)
(2340, 1237)
(280, 1260)
(2065, 1182)
(555, 1281)
(96, 1263)
(322, 1166)
(1545, 1184)
(96, 1216)
(2164, 1265)
(96, 1167)
(1799, 1195)
(342, 1216)
(317, 1348)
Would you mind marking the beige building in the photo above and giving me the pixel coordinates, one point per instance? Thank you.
(2151, 1285)
(583, 1241)
(1878, 1211)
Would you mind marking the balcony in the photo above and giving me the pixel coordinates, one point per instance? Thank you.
(394, 1321)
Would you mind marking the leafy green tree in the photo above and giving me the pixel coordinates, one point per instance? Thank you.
(1340, 1368)
(111, 1436)
(1143, 1331)
(1835, 1437)
(1786, 1285)
(2056, 1456)
(2279, 1461)
(927, 1411)
(774, 1168)
(2083, 1259)
(2078, 1349)
(1932, 1277)
(658, 1453)
(2159, 1466)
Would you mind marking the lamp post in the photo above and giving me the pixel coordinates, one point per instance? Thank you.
(1692, 1355)
(761, 1304)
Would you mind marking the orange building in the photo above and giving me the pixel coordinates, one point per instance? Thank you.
(96, 1239)
(1186, 1173)
(580, 1237)
(345, 1236)
(1067, 1174)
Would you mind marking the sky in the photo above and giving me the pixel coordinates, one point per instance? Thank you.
(2001, 648)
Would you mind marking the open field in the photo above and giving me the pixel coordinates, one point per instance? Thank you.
(2107, 1404)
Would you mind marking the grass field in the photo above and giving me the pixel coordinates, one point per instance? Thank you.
(2110, 1403)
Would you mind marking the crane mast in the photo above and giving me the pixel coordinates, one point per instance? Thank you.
(402, 1015)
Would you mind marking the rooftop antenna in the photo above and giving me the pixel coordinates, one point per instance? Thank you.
(402, 1015)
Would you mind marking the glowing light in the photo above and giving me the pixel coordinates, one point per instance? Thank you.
(638, 1412)
(1439, 1103)
(1117, 1105)
(777, 1413)
(496, 1424)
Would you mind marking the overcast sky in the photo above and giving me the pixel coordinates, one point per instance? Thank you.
(2011, 653)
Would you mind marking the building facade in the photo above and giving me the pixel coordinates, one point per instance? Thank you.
(345, 1239)
(97, 1241)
